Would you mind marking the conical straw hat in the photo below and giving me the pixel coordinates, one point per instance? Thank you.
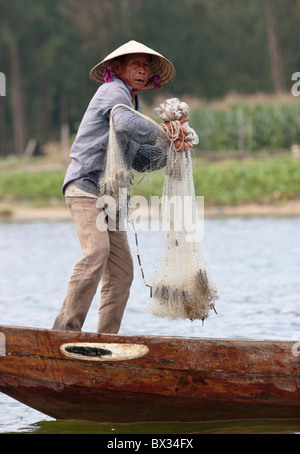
(160, 65)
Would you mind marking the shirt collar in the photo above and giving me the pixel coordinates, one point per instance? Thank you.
(136, 99)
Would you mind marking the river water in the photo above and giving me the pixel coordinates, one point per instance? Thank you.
(255, 262)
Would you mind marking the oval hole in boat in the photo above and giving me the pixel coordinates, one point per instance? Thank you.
(96, 351)
(87, 351)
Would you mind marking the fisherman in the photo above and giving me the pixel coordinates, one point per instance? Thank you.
(131, 68)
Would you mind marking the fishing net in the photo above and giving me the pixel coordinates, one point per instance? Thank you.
(122, 157)
(181, 285)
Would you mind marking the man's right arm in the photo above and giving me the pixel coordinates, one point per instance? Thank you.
(130, 124)
(126, 120)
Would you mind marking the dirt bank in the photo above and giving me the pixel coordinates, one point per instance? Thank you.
(23, 213)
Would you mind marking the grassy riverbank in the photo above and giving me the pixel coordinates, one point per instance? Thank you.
(261, 179)
(235, 182)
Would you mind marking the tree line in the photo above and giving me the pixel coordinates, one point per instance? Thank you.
(47, 48)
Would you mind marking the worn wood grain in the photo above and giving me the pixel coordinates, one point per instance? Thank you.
(175, 379)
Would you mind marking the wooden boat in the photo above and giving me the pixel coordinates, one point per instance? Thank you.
(125, 379)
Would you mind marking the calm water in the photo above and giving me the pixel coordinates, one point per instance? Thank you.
(255, 262)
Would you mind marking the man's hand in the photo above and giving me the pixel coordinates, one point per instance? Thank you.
(177, 134)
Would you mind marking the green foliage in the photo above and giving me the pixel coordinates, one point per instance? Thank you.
(257, 127)
(229, 182)
(236, 182)
(216, 46)
(38, 188)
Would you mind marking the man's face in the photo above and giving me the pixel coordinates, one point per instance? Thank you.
(135, 70)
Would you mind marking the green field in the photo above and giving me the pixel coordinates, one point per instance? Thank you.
(263, 179)
(242, 126)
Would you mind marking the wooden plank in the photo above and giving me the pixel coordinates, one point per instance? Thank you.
(176, 379)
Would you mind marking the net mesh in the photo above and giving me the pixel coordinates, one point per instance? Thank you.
(123, 156)
(181, 286)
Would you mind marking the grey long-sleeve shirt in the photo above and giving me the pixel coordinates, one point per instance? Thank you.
(89, 148)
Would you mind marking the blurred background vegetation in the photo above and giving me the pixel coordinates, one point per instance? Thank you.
(234, 61)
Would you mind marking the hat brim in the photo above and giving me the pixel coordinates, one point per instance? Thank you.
(160, 65)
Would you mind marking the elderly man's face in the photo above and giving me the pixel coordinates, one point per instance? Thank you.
(135, 70)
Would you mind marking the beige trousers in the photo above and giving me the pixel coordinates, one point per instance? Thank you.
(106, 257)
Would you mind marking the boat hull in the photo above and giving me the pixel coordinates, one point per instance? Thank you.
(126, 379)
